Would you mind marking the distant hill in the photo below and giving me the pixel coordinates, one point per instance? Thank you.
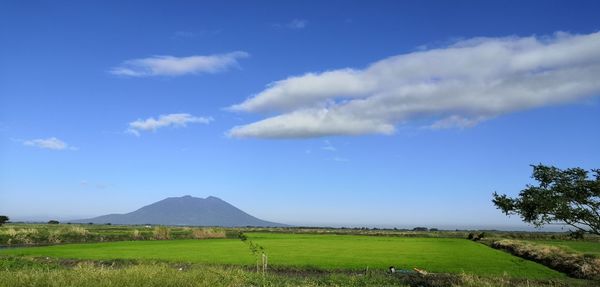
(185, 210)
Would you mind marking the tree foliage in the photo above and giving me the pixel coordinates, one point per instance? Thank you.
(569, 196)
(3, 219)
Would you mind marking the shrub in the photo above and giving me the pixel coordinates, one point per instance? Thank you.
(420, 229)
(577, 235)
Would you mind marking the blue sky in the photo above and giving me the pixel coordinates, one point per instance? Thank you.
(387, 113)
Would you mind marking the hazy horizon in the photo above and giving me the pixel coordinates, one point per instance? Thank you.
(515, 225)
(341, 113)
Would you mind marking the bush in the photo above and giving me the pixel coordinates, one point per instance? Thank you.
(577, 235)
(420, 229)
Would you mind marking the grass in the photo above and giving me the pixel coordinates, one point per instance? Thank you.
(165, 275)
(325, 252)
(19, 271)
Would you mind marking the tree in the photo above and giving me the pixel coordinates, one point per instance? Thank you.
(567, 196)
(3, 219)
(53, 222)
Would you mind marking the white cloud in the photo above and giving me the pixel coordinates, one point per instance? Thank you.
(455, 86)
(177, 66)
(328, 146)
(48, 143)
(294, 24)
(297, 24)
(340, 159)
(174, 120)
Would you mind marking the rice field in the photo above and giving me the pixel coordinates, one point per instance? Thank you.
(586, 247)
(311, 251)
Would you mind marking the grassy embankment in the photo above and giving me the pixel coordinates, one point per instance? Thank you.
(558, 255)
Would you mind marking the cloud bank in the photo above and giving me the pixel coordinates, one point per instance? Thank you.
(459, 85)
(178, 66)
(170, 120)
(48, 143)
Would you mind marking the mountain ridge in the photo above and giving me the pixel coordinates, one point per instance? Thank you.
(185, 211)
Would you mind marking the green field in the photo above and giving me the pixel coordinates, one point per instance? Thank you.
(329, 252)
(587, 247)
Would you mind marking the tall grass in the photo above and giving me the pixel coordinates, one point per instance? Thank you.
(38, 234)
(205, 233)
(162, 233)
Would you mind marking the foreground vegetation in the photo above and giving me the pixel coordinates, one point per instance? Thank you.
(112, 255)
(21, 271)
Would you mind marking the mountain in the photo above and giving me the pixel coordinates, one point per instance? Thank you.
(185, 210)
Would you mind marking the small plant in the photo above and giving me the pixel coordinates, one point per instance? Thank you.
(257, 251)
